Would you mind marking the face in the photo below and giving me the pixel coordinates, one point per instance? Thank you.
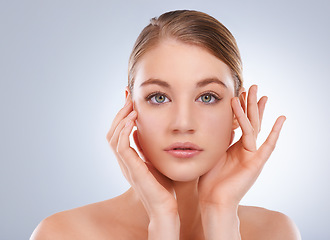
(182, 95)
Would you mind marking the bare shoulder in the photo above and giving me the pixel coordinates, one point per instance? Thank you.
(53, 227)
(86, 222)
(261, 223)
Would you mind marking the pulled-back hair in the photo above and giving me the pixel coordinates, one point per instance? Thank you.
(191, 27)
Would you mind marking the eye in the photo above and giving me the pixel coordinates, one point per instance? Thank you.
(209, 98)
(157, 98)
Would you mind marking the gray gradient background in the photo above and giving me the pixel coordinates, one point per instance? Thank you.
(63, 69)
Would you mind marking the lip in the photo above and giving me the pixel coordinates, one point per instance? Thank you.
(183, 150)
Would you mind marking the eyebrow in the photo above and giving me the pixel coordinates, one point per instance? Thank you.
(155, 81)
(199, 84)
(207, 81)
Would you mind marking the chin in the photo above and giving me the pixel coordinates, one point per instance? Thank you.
(182, 178)
(182, 175)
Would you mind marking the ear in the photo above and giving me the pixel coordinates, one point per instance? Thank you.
(242, 99)
(128, 96)
(127, 93)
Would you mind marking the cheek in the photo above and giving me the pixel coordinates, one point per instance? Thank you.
(149, 125)
(218, 128)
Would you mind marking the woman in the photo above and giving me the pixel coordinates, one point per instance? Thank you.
(185, 96)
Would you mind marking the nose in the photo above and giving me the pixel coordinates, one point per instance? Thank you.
(183, 119)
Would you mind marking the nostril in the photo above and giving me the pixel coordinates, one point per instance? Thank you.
(183, 121)
(180, 130)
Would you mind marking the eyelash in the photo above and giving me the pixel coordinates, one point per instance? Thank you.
(154, 94)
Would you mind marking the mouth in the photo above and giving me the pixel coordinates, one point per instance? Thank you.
(183, 150)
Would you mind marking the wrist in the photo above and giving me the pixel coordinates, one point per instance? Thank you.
(220, 221)
(164, 227)
(220, 212)
(165, 217)
(218, 205)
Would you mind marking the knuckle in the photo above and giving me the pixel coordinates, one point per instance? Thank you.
(141, 169)
(113, 147)
(134, 178)
(250, 131)
(120, 150)
(253, 131)
(113, 144)
(272, 146)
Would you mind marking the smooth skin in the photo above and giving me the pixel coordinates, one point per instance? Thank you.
(160, 205)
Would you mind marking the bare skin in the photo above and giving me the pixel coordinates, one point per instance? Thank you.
(124, 217)
(196, 198)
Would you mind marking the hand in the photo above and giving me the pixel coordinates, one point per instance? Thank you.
(236, 172)
(154, 189)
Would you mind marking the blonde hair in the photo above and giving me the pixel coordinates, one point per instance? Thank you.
(191, 27)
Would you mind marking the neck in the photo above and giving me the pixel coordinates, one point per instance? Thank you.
(188, 207)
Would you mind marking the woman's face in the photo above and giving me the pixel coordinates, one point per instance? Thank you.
(182, 95)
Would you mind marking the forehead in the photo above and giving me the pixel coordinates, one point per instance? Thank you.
(179, 63)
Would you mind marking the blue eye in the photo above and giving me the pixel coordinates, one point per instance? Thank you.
(157, 98)
(209, 98)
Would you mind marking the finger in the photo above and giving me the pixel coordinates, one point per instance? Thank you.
(137, 143)
(261, 106)
(135, 165)
(120, 116)
(163, 180)
(243, 101)
(123, 168)
(141, 174)
(114, 138)
(114, 141)
(268, 146)
(252, 109)
(248, 138)
(152, 194)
